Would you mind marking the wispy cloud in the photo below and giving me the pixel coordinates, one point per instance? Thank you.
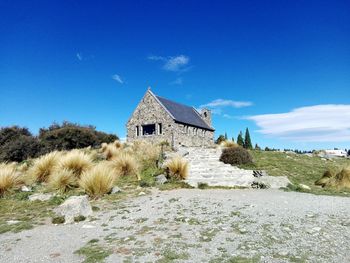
(177, 81)
(220, 103)
(319, 123)
(175, 64)
(79, 56)
(117, 78)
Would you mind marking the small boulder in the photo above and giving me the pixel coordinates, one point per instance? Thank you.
(305, 187)
(73, 207)
(161, 179)
(40, 197)
(116, 190)
(25, 188)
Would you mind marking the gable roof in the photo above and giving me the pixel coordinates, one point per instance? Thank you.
(183, 114)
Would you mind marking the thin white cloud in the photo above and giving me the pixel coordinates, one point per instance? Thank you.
(177, 81)
(175, 64)
(219, 103)
(117, 78)
(79, 56)
(319, 123)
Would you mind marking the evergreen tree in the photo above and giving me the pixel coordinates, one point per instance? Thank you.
(225, 136)
(240, 140)
(247, 140)
(257, 147)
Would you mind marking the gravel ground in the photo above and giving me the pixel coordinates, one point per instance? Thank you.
(199, 226)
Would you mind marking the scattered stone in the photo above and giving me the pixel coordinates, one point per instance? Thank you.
(13, 222)
(161, 179)
(142, 193)
(40, 197)
(305, 187)
(88, 227)
(116, 190)
(73, 207)
(275, 182)
(25, 188)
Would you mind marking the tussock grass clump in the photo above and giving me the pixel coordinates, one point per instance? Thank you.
(9, 178)
(325, 178)
(177, 168)
(125, 165)
(145, 152)
(98, 181)
(110, 152)
(76, 161)
(228, 144)
(62, 180)
(43, 167)
(117, 144)
(341, 180)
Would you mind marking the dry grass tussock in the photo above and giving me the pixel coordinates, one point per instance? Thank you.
(110, 151)
(43, 167)
(228, 144)
(9, 178)
(177, 168)
(325, 178)
(125, 165)
(147, 153)
(98, 181)
(62, 180)
(341, 180)
(75, 161)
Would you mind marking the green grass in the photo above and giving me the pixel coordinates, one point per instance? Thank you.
(169, 255)
(93, 252)
(300, 169)
(26, 212)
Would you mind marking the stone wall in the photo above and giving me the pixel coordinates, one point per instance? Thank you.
(191, 136)
(150, 111)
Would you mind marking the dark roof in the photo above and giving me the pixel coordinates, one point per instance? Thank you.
(184, 114)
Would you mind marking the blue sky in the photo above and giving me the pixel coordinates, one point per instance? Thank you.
(281, 68)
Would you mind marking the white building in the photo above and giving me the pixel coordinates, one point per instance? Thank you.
(337, 153)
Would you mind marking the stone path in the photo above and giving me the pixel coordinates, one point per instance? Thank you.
(205, 167)
(191, 225)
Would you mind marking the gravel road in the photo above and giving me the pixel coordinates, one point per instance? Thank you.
(190, 225)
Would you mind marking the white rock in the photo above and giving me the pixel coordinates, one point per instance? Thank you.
(74, 206)
(142, 193)
(25, 188)
(116, 190)
(40, 197)
(305, 187)
(161, 179)
(88, 227)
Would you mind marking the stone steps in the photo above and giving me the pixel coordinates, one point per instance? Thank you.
(205, 167)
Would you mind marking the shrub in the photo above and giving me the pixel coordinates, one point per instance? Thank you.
(17, 144)
(43, 167)
(70, 136)
(9, 178)
(177, 168)
(76, 161)
(236, 156)
(147, 153)
(125, 165)
(98, 181)
(62, 180)
(220, 139)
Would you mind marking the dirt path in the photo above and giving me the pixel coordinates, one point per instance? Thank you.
(199, 226)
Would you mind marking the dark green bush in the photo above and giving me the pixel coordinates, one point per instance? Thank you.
(19, 149)
(8, 134)
(236, 156)
(70, 136)
(220, 139)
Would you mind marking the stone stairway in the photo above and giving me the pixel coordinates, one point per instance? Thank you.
(205, 167)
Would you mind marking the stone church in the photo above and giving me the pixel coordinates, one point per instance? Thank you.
(157, 119)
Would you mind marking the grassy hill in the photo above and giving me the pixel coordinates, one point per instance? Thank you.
(300, 169)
